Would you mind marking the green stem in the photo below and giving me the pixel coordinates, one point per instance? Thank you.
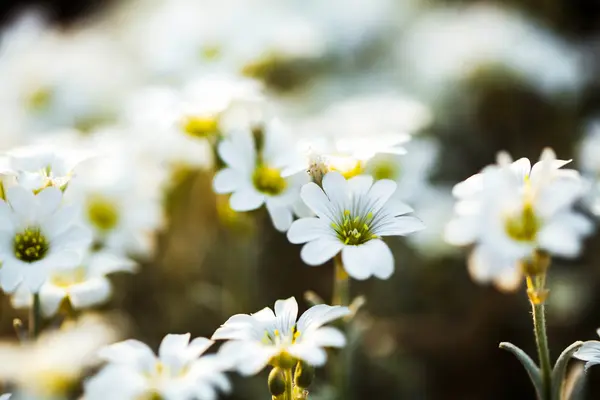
(289, 384)
(539, 324)
(341, 283)
(35, 317)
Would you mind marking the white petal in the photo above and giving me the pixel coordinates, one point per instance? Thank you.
(398, 226)
(246, 199)
(50, 299)
(21, 200)
(60, 221)
(173, 345)
(198, 346)
(103, 263)
(286, 312)
(559, 240)
(314, 197)
(11, 274)
(590, 352)
(306, 229)
(336, 187)
(89, 293)
(48, 201)
(557, 196)
(319, 315)
(319, 251)
(309, 353)
(35, 276)
(380, 193)
(238, 151)
(328, 337)
(281, 215)
(372, 258)
(129, 352)
(360, 185)
(521, 168)
(227, 180)
(461, 231)
(485, 266)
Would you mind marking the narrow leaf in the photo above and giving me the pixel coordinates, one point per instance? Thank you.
(532, 369)
(560, 369)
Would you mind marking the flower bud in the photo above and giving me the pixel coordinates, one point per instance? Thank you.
(277, 382)
(317, 168)
(304, 374)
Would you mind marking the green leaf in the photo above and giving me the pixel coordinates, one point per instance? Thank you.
(532, 369)
(558, 374)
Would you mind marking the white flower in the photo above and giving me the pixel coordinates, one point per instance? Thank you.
(178, 373)
(258, 339)
(83, 286)
(589, 352)
(5, 396)
(53, 365)
(255, 173)
(352, 217)
(510, 210)
(590, 165)
(449, 44)
(37, 234)
(39, 166)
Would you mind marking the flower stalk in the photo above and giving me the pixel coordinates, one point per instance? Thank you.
(341, 283)
(35, 317)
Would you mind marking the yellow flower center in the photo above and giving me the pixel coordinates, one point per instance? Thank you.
(385, 169)
(30, 245)
(54, 383)
(523, 226)
(39, 99)
(210, 52)
(354, 231)
(268, 180)
(200, 126)
(347, 166)
(102, 213)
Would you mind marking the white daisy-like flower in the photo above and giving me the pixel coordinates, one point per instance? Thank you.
(255, 172)
(590, 165)
(39, 166)
(267, 337)
(37, 235)
(512, 209)
(52, 366)
(5, 396)
(177, 373)
(352, 217)
(83, 286)
(589, 352)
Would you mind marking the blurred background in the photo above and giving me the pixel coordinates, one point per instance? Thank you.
(466, 79)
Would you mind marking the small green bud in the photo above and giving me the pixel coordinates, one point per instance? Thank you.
(304, 374)
(277, 382)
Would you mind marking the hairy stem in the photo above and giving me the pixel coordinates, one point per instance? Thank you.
(341, 283)
(541, 338)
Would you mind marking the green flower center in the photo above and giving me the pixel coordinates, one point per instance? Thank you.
(200, 127)
(103, 213)
(39, 99)
(354, 231)
(524, 226)
(268, 180)
(30, 245)
(385, 170)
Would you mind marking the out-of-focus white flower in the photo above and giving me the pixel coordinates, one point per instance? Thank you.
(51, 78)
(352, 217)
(52, 366)
(589, 352)
(39, 166)
(410, 171)
(5, 396)
(118, 199)
(178, 373)
(590, 165)
(37, 234)
(83, 286)
(511, 209)
(256, 162)
(351, 132)
(447, 45)
(263, 338)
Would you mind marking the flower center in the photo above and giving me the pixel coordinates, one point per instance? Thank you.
(354, 231)
(200, 127)
(30, 245)
(65, 279)
(39, 99)
(268, 180)
(385, 170)
(347, 166)
(277, 338)
(54, 383)
(524, 226)
(102, 213)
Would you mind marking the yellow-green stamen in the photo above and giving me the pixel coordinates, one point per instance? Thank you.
(30, 245)
(268, 180)
(354, 231)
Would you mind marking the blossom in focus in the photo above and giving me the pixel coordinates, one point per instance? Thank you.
(589, 352)
(511, 209)
(255, 164)
(179, 372)
(83, 286)
(276, 338)
(38, 233)
(352, 217)
(53, 365)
